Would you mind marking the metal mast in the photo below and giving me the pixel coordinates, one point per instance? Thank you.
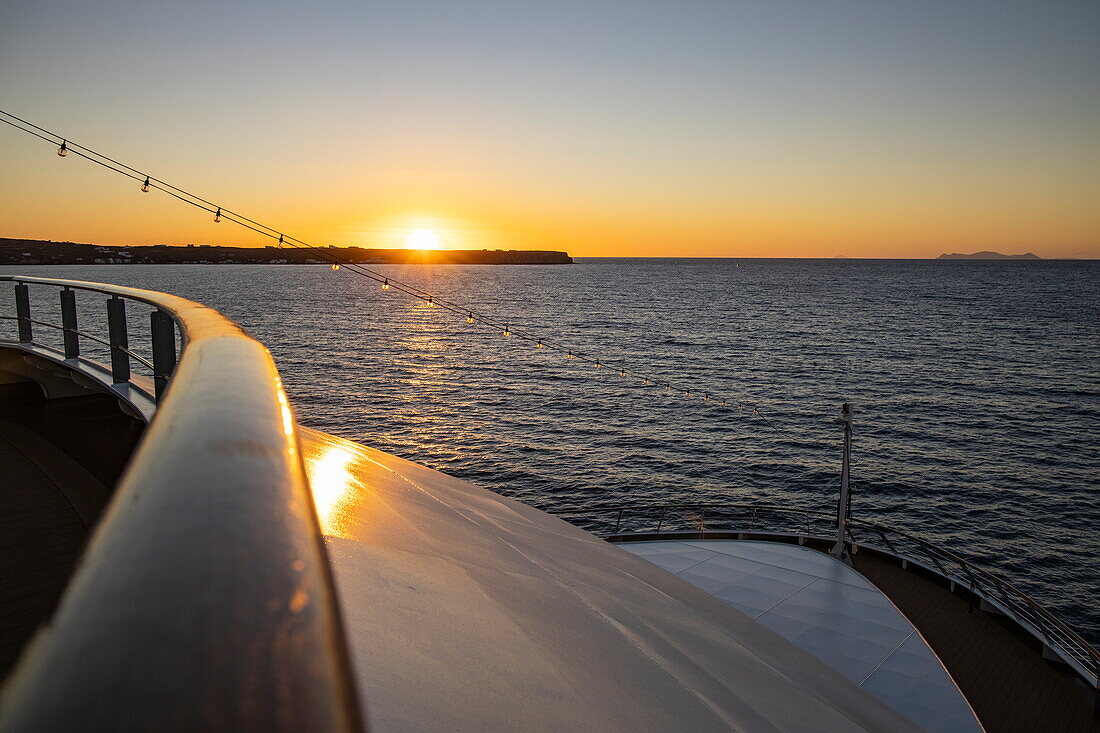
(840, 549)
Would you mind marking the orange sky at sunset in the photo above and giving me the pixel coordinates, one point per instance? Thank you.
(744, 134)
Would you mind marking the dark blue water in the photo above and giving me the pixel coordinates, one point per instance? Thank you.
(976, 388)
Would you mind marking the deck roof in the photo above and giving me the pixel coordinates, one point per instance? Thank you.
(468, 611)
(828, 609)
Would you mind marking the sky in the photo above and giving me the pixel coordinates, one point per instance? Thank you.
(857, 128)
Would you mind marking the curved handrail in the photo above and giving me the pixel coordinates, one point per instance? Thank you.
(1052, 630)
(204, 597)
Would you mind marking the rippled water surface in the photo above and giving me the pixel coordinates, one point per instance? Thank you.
(976, 387)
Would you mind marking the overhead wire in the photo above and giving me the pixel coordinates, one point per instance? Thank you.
(148, 181)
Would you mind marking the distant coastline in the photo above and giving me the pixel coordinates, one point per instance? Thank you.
(987, 255)
(41, 252)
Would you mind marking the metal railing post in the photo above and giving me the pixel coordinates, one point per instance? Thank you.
(23, 312)
(116, 326)
(68, 323)
(163, 330)
(618, 521)
(888, 543)
(935, 561)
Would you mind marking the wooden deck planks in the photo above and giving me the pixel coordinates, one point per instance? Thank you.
(1009, 685)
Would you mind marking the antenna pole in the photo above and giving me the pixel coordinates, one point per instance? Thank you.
(840, 549)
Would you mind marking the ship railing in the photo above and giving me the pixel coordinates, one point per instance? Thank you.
(203, 597)
(762, 521)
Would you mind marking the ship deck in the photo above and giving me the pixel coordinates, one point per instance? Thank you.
(58, 462)
(456, 607)
(1006, 681)
(1003, 676)
(828, 609)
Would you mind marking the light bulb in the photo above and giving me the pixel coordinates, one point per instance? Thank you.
(386, 284)
(539, 345)
(470, 317)
(569, 355)
(145, 186)
(335, 266)
(64, 149)
(431, 301)
(280, 240)
(507, 332)
(645, 381)
(622, 372)
(668, 387)
(218, 215)
(597, 364)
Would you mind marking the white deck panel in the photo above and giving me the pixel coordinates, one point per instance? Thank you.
(466, 611)
(828, 609)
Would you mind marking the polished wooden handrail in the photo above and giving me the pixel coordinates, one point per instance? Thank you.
(204, 598)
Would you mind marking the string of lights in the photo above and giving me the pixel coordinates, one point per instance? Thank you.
(148, 182)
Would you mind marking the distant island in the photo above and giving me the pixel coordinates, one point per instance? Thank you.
(986, 255)
(40, 252)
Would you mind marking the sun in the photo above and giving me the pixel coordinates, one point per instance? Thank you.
(422, 239)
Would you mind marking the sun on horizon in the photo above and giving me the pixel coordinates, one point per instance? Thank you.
(422, 238)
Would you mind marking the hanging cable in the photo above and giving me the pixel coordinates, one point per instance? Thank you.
(221, 213)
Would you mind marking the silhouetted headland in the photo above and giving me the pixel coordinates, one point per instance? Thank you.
(39, 252)
(987, 255)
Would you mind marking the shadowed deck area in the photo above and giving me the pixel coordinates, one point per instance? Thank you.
(1009, 685)
(59, 460)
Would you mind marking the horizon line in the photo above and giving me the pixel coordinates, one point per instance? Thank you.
(1006, 257)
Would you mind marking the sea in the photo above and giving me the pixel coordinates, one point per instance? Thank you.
(975, 387)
